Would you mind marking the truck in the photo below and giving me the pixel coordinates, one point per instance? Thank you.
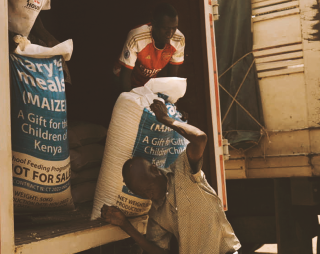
(278, 170)
(283, 166)
(98, 39)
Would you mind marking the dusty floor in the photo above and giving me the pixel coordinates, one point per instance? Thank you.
(272, 248)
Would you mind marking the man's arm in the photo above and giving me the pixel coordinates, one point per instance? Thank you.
(197, 138)
(114, 216)
(125, 79)
(172, 70)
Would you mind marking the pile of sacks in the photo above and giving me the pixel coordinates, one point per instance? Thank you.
(86, 144)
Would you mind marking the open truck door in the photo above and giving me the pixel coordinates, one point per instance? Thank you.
(216, 146)
(6, 189)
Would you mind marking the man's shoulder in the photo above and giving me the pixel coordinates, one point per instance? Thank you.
(141, 31)
(139, 36)
(178, 35)
(178, 39)
(179, 163)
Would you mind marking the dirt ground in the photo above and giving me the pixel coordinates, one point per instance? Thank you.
(272, 248)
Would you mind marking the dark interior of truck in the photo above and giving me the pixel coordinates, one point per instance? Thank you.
(99, 31)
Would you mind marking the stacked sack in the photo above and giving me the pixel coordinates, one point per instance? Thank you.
(40, 153)
(86, 152)
(135, 131)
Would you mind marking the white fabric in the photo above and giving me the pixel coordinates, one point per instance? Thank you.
(22, 42)
(32, 50)
(23, 13)
(164, 86)
(178, 42)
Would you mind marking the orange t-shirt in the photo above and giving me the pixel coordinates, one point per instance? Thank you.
(140, 54)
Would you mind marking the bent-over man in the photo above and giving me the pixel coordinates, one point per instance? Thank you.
(183, 203)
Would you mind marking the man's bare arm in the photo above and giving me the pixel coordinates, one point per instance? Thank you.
(125, 79)
(114, 216)
(197, 138)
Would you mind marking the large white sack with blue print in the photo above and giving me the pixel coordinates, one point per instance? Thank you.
(135, 131)
(40, 152)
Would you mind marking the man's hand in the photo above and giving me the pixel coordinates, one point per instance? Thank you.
(159, 109)
(197, 138)
(114, 216)
(185, 115)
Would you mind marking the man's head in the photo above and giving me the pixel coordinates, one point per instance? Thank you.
(164, 23)
(144, 179)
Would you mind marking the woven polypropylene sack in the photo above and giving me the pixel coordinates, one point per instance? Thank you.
(84, 133)
(85, 157)
(83, 192)
(90, 174)
(134, 131)
(40, 152)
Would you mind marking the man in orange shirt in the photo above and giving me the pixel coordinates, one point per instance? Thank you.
(149, 48)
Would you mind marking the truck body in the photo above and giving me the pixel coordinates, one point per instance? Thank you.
(98, 32)
(273, 186)
(287, 58)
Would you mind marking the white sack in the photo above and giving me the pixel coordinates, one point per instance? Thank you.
(126, 137)
(25, 48)
(23, 13)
